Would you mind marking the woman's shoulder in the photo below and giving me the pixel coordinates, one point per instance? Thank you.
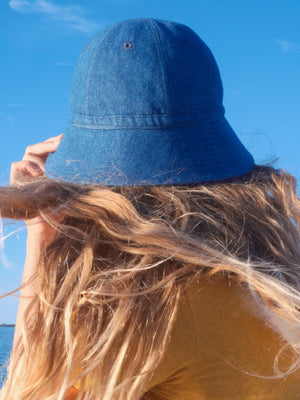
(229, 323)
(221, 346)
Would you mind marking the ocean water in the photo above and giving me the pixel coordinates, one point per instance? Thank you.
(6, 340)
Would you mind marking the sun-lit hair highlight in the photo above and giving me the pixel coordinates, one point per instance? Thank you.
(110, 283)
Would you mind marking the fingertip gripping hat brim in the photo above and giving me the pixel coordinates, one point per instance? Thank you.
(146, 109)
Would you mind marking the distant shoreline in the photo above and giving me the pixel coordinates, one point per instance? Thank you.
(7, 325)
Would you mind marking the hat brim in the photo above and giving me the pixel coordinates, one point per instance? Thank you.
(209, 151)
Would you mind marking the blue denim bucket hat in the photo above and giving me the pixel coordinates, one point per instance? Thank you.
(146, 109)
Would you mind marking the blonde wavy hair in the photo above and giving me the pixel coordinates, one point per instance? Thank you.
(110, 282)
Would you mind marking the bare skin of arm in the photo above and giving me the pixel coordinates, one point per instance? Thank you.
(40, 233)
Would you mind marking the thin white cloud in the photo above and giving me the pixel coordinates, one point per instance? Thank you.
(71, 16)
(15, 105)
(10, 118)
(7, 117)
(123, 2)
(3, 258)
(288, 47)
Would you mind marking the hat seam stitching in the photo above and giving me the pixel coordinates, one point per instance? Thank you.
(92, 66)
(162, 62)
(150, 128)
(203, 111)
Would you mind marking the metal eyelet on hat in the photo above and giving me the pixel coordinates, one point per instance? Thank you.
(127, 45)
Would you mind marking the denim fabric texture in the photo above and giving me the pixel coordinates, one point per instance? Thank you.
(146, 109)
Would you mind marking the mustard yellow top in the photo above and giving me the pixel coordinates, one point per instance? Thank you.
(216, 346)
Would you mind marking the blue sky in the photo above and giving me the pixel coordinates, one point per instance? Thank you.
(256, 44)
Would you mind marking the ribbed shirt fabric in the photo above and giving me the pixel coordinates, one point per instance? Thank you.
(221, 349)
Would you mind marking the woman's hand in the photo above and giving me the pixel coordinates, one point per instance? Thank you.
(33, 166)
(33, 162)
(40, 233)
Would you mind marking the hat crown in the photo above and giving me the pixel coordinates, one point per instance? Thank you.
(145, 73)
(146, 109)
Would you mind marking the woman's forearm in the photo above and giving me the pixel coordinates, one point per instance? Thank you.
(35, 243)
(39, 232)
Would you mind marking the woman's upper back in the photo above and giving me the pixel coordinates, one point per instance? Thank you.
(218, 348)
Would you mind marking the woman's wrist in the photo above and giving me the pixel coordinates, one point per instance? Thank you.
(39, 234)
(35, 244)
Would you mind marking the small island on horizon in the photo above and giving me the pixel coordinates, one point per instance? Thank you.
(7, 325)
